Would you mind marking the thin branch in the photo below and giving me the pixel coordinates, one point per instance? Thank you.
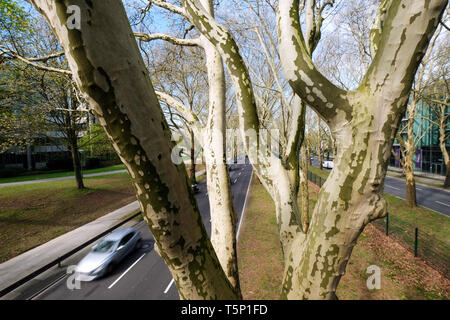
(36, 65)
(161, 36)
(50, 56)
(169, 6)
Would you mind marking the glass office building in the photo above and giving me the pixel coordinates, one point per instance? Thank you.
(428, 156)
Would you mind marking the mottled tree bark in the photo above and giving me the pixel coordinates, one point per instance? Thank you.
(304, 190)
(107, 67)
(364, 123)
(223, 216)
(279, 175)
(447, 175)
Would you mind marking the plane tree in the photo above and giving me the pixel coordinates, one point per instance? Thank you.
(213, 140)
(364, 123)
(107, 66)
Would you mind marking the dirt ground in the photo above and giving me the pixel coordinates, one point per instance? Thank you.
(403, 276)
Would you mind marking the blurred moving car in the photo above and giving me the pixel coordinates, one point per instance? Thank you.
(328, 164)
(106, 254)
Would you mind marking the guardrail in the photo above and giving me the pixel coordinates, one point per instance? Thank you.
(58, 261)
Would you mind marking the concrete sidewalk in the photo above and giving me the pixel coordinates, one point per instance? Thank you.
(420, 174)
(60, 178)
(33, 259)
(424, 178)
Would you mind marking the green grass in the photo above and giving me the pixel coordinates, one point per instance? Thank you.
(66, 186)
(200, 178)
(36, 213)
(59, 174)
(430, 222)
(433, 227)
(433, 223)
(403, 276)
(321, 173)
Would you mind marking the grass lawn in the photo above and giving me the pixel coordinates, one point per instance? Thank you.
(36, 213)
(59, 174)
(431, 223)
(403, 276)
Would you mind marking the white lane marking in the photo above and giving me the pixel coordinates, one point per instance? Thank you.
(34, 296)
(419, 189)
(240, 174)
(447, 205)
(168, 287)
(126, 271)
(235, 181)
(243, 207)
(391, 187)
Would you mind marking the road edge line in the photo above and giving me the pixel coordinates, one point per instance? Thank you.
(244, 208)
(126, 271)
(168, 286)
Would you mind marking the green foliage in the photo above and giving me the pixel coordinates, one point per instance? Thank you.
(13, 17)
(22, 119)
(96, 143)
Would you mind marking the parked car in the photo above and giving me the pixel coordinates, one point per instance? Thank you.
(328, 164)
(107, 254)
(195, 188)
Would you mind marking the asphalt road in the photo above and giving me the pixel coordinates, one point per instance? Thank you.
(143, 274)
(428, 197)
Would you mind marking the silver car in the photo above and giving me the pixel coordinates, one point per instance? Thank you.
(106, 254)
(328, 164)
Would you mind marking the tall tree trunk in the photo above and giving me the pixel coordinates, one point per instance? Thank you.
(447, 176)
(364, 122)
(193, 157)
(76, 161)
(443, 143)
(308, 154)
(139, 133)
(351, 197)
(319, 146)
(411, 190)
(408, 168)
(223, 215)
(29, 159)
(304, 190)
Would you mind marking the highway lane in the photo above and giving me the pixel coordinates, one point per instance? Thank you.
(143, 274)
(428, 197)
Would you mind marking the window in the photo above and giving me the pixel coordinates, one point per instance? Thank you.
(126, 239)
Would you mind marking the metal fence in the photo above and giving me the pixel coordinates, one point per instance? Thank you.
(314, 178)
(434, 251)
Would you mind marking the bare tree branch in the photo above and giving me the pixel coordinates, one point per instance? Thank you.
(161, 36)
